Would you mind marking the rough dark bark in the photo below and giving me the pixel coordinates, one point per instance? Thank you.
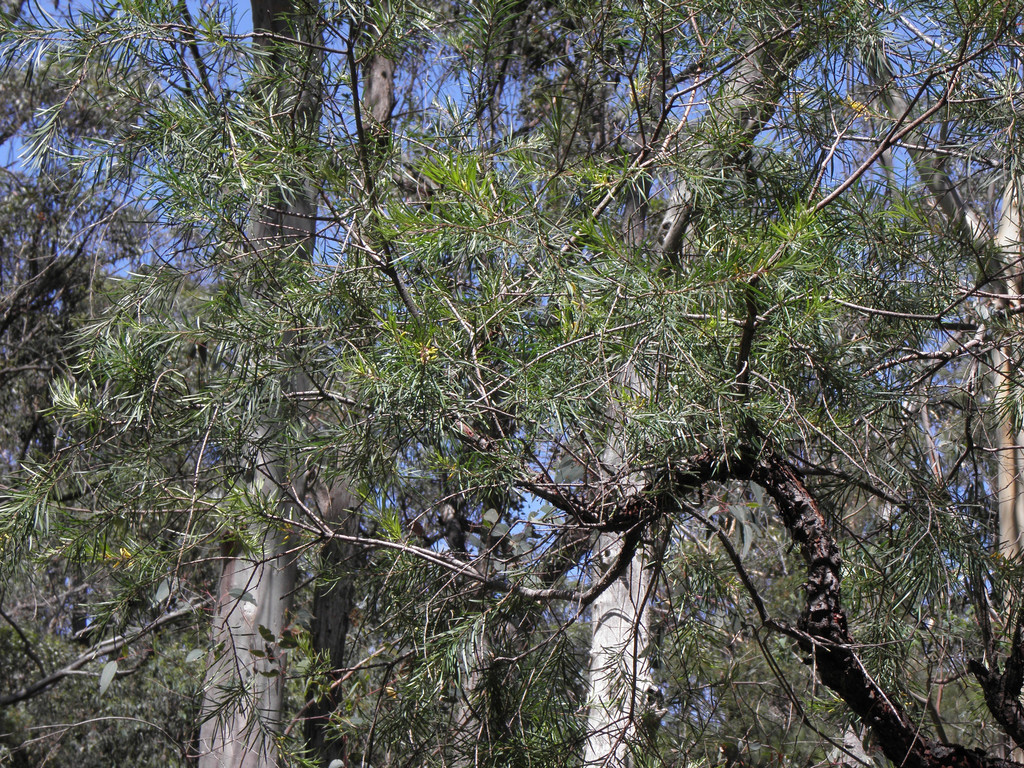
(332, 606)
(823, 632)
(1002, 689)
(333, 599)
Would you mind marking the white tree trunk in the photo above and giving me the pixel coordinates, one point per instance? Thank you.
(244, 687)
(1004, 269)
(1011, 459)
(245, 680)
(622, 694)
(744, 106)
(622, 691)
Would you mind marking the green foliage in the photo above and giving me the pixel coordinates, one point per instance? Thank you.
(466, 335)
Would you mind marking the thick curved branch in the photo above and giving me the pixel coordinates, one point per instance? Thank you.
(1002, 690)
(823, 632)
(829, 643)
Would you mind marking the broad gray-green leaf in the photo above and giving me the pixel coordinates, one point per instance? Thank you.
(107, 675)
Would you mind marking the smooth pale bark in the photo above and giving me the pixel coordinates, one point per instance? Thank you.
(1003, 269)
(621, 688)
(929, 167)
(744, 106)
(244, 686)
(622, 691)
(622, 695)
(1010, 479)
(244, 691)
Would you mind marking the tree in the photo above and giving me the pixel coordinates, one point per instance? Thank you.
(62, 232)
(576, 488)
(256, 587)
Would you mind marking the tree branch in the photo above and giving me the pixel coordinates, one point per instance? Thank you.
(823, 632)
(103, 648)
(1002, 690)
(25, 641)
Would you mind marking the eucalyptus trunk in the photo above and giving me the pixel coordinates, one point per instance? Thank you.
(333, 601)
(745, 104)
(622, 692)
(622, 695)
(334, 596)
(1010, 479)
(242, 707)
(1001, 265)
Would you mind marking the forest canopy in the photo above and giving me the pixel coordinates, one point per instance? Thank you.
(511, 383)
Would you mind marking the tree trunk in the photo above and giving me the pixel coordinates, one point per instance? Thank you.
(621, 689)
(244, 687)
(747, 101)
(333, 602)
(332, 606)
(1003, 269)
(1011, 458)
(245, 680)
